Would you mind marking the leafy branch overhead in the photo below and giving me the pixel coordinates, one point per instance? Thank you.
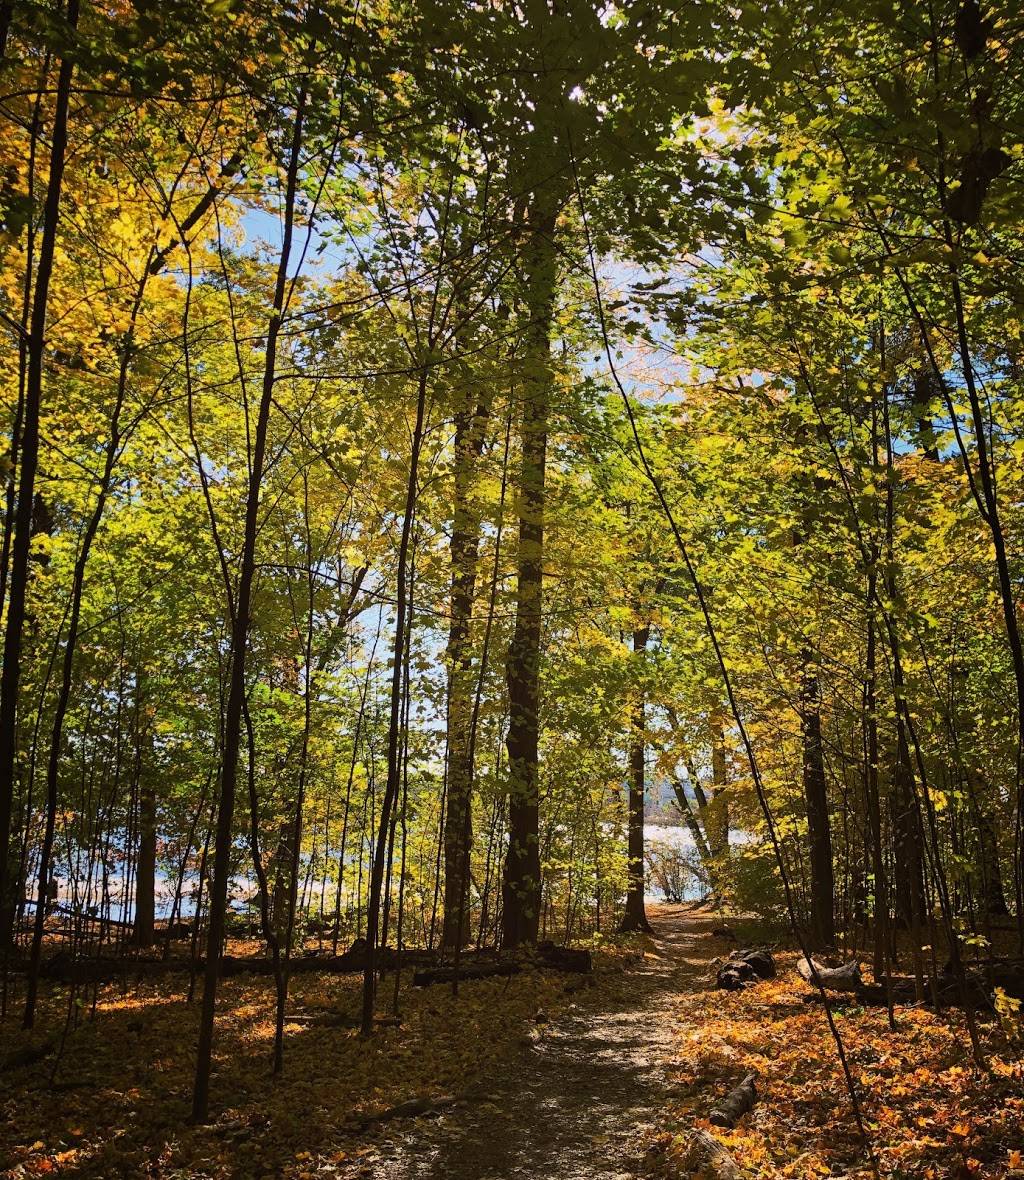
(475, 473)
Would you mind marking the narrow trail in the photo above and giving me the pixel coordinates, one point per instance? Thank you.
(581, 1103)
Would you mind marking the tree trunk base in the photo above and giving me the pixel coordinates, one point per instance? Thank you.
(633, 924)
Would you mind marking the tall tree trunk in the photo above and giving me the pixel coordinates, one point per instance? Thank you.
(819, 833)
(10, 678)
(281, 866)
(300, 795)
(470, 425)
(874, 808)
(145, 872)
(56, 746)
(880, 891)
(270, 933)
(635, 917)
(987, 499)
(701, 821)
(394, 779)
(909, 883)
(145, 882)
(521, 886)
(239, 643)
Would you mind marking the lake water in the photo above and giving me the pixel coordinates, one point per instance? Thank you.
(242, 889)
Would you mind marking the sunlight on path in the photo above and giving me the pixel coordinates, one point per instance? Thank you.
(583, 1102)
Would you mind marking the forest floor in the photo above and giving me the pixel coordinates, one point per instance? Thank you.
(586, 1096)
(539, 1076)
(611, 1088)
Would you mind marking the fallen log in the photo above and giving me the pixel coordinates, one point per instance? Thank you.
(903, 991)
(706, 1157)
(450, 974)
(547, 955)
(745, 967)
(735, 1104)
(353, 960)
(27, 1055)
(412, 1109)
(980, 979)
(62, 968)
(1005, 973)
(837, 979)
(565, 958)
(338, 1020)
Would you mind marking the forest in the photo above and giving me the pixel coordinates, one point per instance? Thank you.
(511, 589)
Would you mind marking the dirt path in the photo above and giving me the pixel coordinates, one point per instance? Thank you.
(581, 1104)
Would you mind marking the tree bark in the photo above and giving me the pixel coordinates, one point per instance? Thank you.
(909, 883)
(735, 1104)
(838, 979)
(145, 880)
(10, 678)
(470, 425)
(240, 624)
(923, 395)
(635, 917)
(819, 833)
(880, 910)
(394, 776)
(705, 1156)
(685, 809)
(521, 884)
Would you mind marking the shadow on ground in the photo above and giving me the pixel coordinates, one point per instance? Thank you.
(580, 1104)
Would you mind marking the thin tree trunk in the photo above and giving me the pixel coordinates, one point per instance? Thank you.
(394, 778)
(906, 825)
(145, 878)
(363, 693)
(267, 923)
(10, 678)
(300, 795)
(68, 661)
(239, 645)
(874, 810)
(819, 834)
(635, 916)
(465, 552)
(685, 808)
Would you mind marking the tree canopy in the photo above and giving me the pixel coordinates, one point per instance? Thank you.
(438, 436)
